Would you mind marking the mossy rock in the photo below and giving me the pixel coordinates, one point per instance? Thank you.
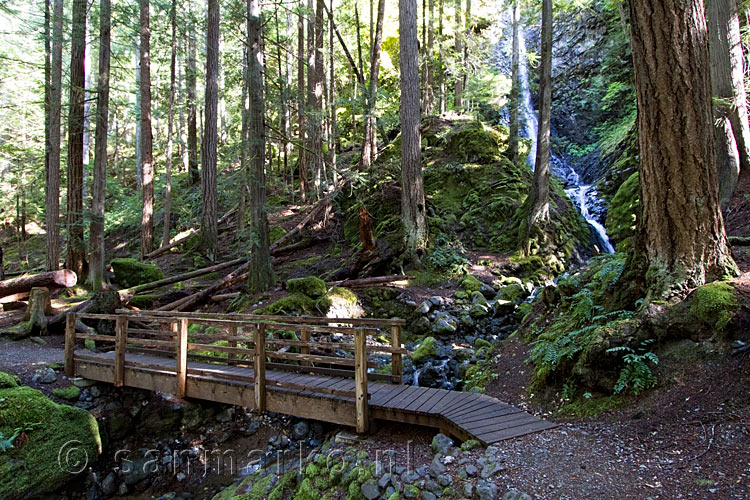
(622, 215)
(312, 286)
(71, 393)
(131, 272)
(714, 304)
(8, 381)
(61, 442)
(426, 348)
(475, 144)
(275, 233)
(295, 303)
(471, 284)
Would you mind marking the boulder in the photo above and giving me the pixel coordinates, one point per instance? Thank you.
(312, 286)
(131, 272)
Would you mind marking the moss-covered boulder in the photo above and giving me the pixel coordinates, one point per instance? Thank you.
(52, 443)
(70, 393)
(343, 303)
(470, 284)
(8, 381)
(312, 286)
(714, 304)
(131, 272)
(475, 143)
(622, 213)
(296, 303)
(426, 348)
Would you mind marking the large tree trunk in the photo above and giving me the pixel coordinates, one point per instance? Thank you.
(147, 143)
(515, 90)
(369, 144)
(52, 193)
(301, 125)
(441, 61)
(76, 260)
(730, 104)
(96, 275)
(209, 233)
(170, 125)
(316, 73)
(458, 100)
(192, 105)
(684, 244)
(260, 274)
(429, 68)
(539, 196)
(412, 186)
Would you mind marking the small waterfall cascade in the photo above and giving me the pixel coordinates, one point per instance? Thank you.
(584, 196)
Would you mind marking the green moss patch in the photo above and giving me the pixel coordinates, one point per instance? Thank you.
(70, 393)
(714, 304)
(131, 272)
(428, 347)
(470, 284)
(312, 286)
(475, 143)
(8, 381)
(275, 233)
(294, 303)
(61, 440)
(622, 215)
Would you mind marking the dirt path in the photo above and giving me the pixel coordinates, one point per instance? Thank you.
(24, 356)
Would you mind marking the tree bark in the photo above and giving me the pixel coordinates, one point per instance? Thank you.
(516, 85)
(441, 61)
(147, 144)
(412, 185)
(428, 105)
(315, 94)
(539, 196)
(260, 273)
(458, 101)
(170, 125)
(728, 86)
(684, 240)
(301, 124)
(76, 259)
(49, 279)
(208, 233)
(192, 105)
(52, 192)
(96, 275)
(369, 143)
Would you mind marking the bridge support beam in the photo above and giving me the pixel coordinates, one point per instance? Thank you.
(360, 380)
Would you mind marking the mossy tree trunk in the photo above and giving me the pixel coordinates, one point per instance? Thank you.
(147, 142)
(684, 240)
(515, 91)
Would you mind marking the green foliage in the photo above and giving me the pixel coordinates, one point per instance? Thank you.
(131, 272)
(714, 304)
(312, 286)
(636, 375)
(622, 216)
(448, 256)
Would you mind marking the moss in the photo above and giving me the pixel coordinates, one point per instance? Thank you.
(428, 347)
(470, 445)
(143, 301)
(343, 294)
(714, 304)
(89, 344)
(131, 272)
(591, 407)
(478, 377)
(470, 284)
(7, 380)
(294, 303)
(286, 483)
(312, 470)
(275, 233)
(475, 143)
(34, 468)
(622, 215)
(71, 392)
(312, 286)
(481, 343)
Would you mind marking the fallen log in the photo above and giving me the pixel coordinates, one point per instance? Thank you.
(129, 292)
(224, 296)
(379, 280)
(16, 297)
(182, 239)
(50, 279)
(739, 241)
(322, 204)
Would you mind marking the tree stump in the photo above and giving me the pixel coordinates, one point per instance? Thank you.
(37, 311)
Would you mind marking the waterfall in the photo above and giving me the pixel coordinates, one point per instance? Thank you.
(582, 195)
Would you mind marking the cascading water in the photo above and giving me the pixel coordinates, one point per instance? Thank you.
(583, 195)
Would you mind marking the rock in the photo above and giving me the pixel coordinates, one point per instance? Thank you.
(433, 486)
(346, 437)
(470, 284)
(180, 476)
(160, 417)
(503, 307)
(385, 480)
(468, 489)
(138, 467)
(437, 300)
(82, 382)
(424, 307)
(471, 470)
(122, 490)
(445, 327)
(312, 286)
(411, 491)
(516, 495)
(427, 348)
(132, 272)
(370, 489)
(195, 414)
(63, 443)
(436, 468)
(410, 477)
(441, 444)
(44, 376)
(445, 480)
(300, 430)
(95, 391)
(486, 490)
(490, 470)
(109, 485)
(226, 416)
(426, 495)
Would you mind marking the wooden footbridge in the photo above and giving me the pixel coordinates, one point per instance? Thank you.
(308, 367)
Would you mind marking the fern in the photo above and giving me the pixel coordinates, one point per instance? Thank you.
(636, 374)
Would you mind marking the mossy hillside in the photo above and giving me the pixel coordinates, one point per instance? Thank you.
(34, 468)
(477, 143)
(622, 215)
(714, 304)
(130, 272)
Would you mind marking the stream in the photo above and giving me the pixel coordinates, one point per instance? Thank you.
(584, 196)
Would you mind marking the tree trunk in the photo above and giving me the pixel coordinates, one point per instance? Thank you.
(369, 144)
(49, 279)
(47, 86)
(147, 153)
(96, 275)
(209, 233)
(412, 186)
(730, 102)
(138, 149)
(260, 274)
(516, 85)
(333, 138)
(539, 196)
(192, 105)
(429, 67)
(316, 73)
(52, 193)
(170, 125)
(458, 101)
(245, 147)
(302, 126)
(684, 242)
(441, 62)
(76, 259)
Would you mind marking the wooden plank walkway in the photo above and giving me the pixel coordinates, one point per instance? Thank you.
(328, 398)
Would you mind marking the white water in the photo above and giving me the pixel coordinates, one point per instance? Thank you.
(582, 194)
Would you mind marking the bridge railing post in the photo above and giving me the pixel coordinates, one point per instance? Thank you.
(121, 342)
(360, 379)
(181, 353)
(397, 366)
(305, 349)
(260, 367)
(232, 330)
(70, 344)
